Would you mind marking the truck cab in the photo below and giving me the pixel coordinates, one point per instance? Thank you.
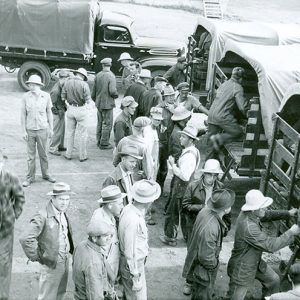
(116, 33)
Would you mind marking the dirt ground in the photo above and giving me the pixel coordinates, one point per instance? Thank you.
(164, 265)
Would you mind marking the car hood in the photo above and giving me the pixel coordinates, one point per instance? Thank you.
(157, 43)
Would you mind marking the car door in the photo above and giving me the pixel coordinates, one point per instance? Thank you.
(112, 41)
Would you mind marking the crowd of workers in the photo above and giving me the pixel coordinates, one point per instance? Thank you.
(153, 135)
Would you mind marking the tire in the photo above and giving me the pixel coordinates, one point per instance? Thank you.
(33, 67)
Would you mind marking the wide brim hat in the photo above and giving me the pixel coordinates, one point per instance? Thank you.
(256, 200)
(110, 194)
(146, 191)
(130, 150)
(35, 79)
(190, 132)
(221, 199)
(212, 166)
(181, 113)
(60, 188)
(168, 90)
(81, 71)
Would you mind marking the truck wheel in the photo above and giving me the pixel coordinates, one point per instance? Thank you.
(33, 67)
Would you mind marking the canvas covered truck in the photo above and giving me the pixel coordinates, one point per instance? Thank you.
(206, 46)
(44, 35)
(270, 71)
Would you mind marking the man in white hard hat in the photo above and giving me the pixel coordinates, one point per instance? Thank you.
(125, 59)
(137, 89)
(133, 237)
(123, 122)
(76, 94)
(250, 241)
(104, 94)
(37, 126)
(196, 198)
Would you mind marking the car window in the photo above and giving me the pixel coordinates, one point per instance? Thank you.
(116, 34)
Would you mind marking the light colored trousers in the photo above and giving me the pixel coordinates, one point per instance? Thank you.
(37, 139)
(57, 140)
(77, 118)
(53, 282)
(127, 280)
(6, 254)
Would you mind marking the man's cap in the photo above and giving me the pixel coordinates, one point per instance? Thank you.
(141, 122)
(60, 188)
(63, 73)
(183, 86)
(168, 90)
(128, 101)
(181, 59)
(160, 79)
(212, 166)
(145, 191)
(156, 113)
(238, 72)
(125, 56)
(181, 113)
(97, 226)
(106, 61)
(145, 73)
(130, 150)
(191, 132)
(111, 193)
(35, 79)
(221, 199)
(83, 72)
(256, 200)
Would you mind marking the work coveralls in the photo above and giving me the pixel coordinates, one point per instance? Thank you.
(221, 113)
(150, 99)
(122, 127)
(245, 263)
(137, 90)
(202, 260)
(175, 76)
(104, 93)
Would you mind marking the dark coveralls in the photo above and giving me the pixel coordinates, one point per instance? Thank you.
(104, 93)
(245, 263)
(150, 99)
(175, 76)
(136, 90)
(202, 260)
(122, 127)
(221, 114)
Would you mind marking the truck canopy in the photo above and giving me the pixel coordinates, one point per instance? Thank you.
(245, 32)
(50, 25)
(277, 68)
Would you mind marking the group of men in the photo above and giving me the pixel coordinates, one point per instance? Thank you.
(153, 136)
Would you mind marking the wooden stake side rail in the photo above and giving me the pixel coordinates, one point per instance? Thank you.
(282, 166)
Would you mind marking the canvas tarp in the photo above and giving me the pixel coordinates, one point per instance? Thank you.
(277, 68)
(51, 25)
(244, 32)
(291, 91)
